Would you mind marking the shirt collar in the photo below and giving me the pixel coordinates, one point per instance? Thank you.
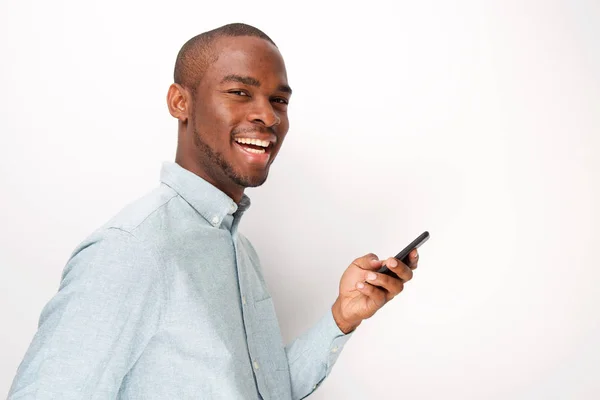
(209, 201)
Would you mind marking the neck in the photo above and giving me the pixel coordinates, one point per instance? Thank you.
(230, 189)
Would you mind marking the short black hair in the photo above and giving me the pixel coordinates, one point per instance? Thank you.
(197, 54)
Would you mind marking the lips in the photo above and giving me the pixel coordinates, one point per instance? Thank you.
(254, 144)
(253, 154)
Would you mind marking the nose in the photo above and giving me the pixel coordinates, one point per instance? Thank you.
(263, 113)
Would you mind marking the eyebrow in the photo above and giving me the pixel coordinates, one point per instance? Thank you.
(285, 89)
(250, 81)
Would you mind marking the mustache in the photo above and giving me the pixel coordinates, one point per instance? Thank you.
(238, 131)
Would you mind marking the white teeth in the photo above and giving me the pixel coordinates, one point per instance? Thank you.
(256, 142)
(256, 151)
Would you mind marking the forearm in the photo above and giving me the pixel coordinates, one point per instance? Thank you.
(312, 355)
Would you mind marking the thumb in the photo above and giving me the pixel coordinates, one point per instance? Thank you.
(368, 262)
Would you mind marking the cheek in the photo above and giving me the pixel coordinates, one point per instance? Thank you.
(224, 114)
(284, 126)
(216, 119)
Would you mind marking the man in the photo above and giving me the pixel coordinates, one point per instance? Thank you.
(167, 300)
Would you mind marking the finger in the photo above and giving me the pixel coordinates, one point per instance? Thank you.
(377, 295)
(401, 270)
(392, 285)
(369, 262)
(413, 259)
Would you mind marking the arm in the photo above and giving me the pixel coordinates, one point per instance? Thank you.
(362, 292)
(94, 329)
(312, 355)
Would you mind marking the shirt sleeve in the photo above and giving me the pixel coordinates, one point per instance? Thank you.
(312, 355)
(95, 328)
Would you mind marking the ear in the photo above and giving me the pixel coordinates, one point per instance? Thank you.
(178, 100)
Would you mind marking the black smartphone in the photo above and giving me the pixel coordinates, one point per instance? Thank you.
(403, 255)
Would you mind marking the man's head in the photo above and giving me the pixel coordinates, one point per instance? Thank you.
(230, 96)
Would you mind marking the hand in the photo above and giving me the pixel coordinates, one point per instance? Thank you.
(364, 291)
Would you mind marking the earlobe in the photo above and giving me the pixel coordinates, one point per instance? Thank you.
(177, 101)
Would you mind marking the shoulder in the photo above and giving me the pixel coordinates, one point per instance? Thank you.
(135, 214)
(124, 244)
(113, 254)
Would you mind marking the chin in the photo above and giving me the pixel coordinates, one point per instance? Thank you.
(250, 180)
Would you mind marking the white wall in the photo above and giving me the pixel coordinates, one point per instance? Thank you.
(477, 121)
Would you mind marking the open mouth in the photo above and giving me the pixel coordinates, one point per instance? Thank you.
(254, 146)
(254, 151)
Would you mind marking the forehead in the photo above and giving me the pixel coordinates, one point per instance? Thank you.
(247, 56)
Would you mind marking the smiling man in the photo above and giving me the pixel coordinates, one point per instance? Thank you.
(167, 300)
(230, 96)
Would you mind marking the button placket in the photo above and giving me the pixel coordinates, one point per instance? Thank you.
(248, 317)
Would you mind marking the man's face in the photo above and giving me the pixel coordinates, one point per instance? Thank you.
(239, 107)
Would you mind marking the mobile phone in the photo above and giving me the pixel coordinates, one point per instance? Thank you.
(403, 255)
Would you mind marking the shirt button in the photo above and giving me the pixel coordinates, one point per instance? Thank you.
(215, 220)
(334, 350)
(255, 365)
(232, 208)
(244, 300)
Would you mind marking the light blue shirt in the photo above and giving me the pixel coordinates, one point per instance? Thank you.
(167, 301)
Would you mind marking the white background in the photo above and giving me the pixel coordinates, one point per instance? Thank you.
(478, 121)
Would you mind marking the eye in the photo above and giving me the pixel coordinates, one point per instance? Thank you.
(238, 92)
(280, 100)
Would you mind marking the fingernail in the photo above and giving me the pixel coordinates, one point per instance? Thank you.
(392, 263)
(360, 285)
(415, 254)
(371, 276)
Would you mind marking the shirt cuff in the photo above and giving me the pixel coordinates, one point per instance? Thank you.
(338, 339)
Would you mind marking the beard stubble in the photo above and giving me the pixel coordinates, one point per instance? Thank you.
(216, 162)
